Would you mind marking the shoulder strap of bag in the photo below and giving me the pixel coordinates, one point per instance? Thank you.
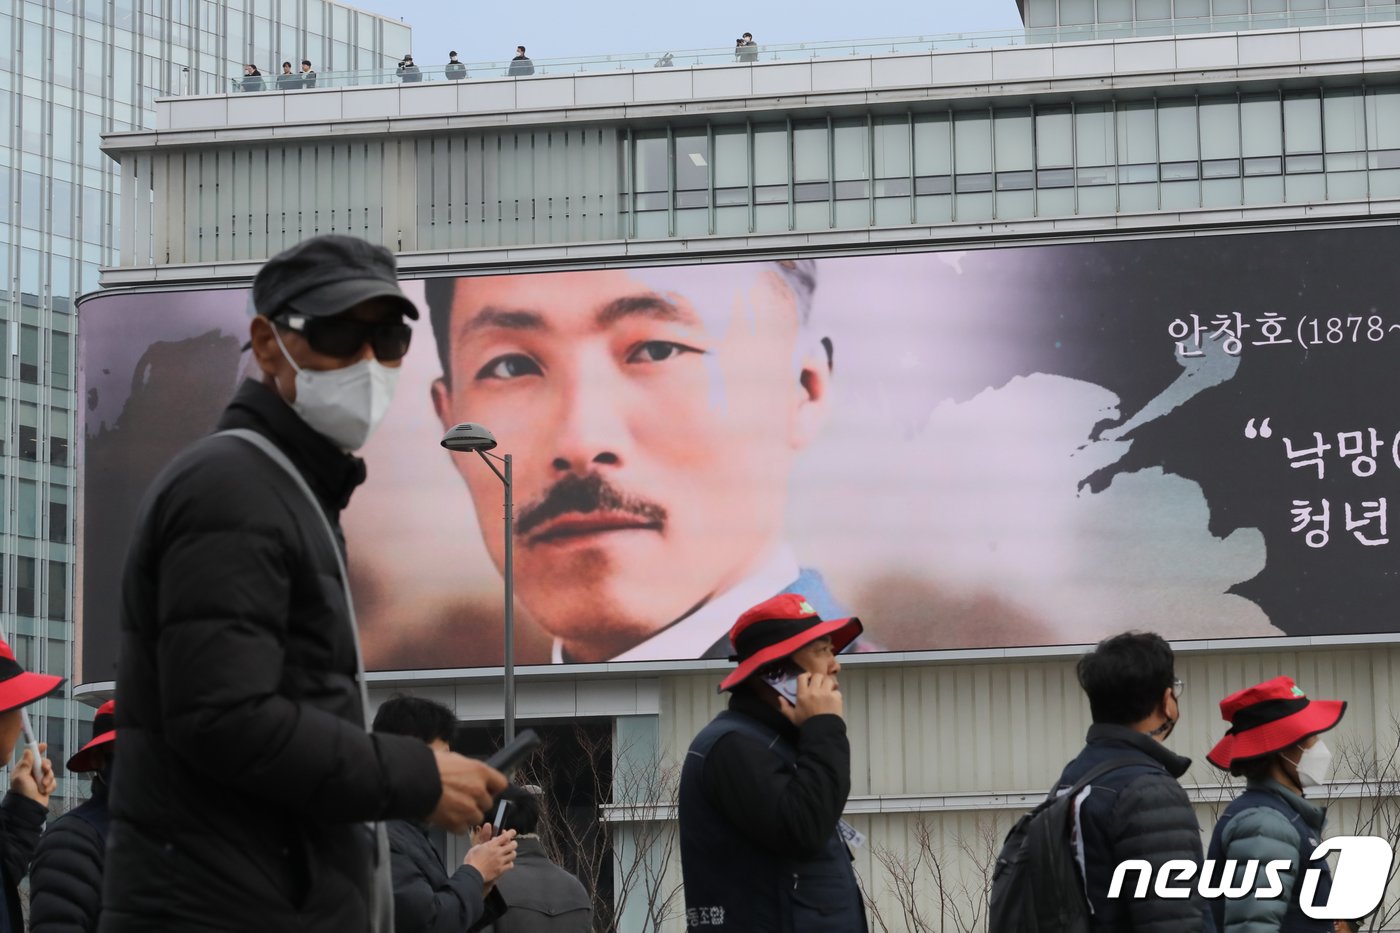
(381, 892)
(1097, 772)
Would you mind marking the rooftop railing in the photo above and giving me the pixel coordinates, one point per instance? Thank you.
(801, 51)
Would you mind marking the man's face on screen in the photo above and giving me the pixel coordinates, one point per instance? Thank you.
(653, 417)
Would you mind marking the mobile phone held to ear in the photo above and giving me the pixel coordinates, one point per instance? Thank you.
(516, 751)
(782, 677)
(33, 744)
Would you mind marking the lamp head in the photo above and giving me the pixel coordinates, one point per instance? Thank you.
(467, 437)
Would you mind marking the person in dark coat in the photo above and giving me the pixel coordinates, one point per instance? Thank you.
(65, 878)
(455, 70)
(288, 80)
(26, 806)
(308, 74)
(1139, 811)
(764, 784)
(426, 898)
(521, 64)
(543, 897)
(245, 775)
(1274, 743)
(252, 79)
(409, 72)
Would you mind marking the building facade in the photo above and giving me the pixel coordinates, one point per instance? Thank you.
(71, 71)
(1114, 122)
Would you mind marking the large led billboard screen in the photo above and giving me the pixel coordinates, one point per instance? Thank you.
(1001, 447)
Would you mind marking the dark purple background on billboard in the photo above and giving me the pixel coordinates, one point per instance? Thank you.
(936, 348)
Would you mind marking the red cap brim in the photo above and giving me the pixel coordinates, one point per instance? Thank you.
(25, 688)
(1317, 716)
(842, 632)
(88, 758)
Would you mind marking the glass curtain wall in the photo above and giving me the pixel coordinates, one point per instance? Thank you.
(966, 165)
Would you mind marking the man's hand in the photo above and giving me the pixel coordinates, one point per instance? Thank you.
(22, 777)
(468, 786)
(817, 695)
(493, 858)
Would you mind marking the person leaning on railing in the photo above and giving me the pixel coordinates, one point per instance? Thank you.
(252, 79)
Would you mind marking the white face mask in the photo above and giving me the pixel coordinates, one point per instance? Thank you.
(1314, 766)
(343, 405)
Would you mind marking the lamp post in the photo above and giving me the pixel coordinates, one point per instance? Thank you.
(468, 438)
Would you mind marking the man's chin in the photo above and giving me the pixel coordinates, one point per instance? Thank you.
(599, 630)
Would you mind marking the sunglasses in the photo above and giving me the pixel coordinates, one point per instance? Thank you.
(343, 337)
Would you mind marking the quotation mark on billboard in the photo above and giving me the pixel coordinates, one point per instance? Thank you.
(1363, 865)
(1251, 432)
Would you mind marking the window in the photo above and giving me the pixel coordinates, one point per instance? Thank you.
(25, 585)
(650, 173)
(58, 746)
(692, 168)
(1302, 123)
(58, 596)
(1261, 126)
(28, 431)
(1093, 138)
(731, 168)
(58, 515)
(810, 154)
(58, 436)
(27, 509)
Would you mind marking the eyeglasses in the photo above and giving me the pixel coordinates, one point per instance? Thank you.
(1178, 687)
(341, 336)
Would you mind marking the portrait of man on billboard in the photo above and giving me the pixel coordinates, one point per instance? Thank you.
(654, 416)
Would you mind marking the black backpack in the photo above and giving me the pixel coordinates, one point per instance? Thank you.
(1036, 885)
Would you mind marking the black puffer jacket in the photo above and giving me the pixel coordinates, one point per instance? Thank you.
(21, 822)
(65, 879)
(244, 772)
(1136, 812)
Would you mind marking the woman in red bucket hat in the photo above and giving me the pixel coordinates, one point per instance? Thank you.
(1274, 741)
(65, 879)
(26, 806)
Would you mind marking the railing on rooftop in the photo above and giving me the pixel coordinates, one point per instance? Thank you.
(801, 51)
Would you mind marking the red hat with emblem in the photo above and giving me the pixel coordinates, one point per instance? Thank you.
(776, 628)
(19, 687)
(104, 733)
(1269, 717)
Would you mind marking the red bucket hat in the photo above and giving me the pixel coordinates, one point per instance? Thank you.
(777, 627)
(104, 732)
(1268, 717)
(19, 687)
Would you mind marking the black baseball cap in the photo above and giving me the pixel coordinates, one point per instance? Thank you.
(328, 275)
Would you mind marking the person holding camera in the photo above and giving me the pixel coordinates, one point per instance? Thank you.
(745, 49)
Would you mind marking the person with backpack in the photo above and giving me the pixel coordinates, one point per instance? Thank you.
(1118, 799)
(1274, 743)
(764, 784)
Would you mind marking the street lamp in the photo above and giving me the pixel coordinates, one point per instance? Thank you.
(468, 438)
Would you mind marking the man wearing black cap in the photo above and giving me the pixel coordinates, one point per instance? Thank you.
(244, 776)
(763, 785)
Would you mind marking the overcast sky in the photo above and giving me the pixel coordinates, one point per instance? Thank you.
(558, 29)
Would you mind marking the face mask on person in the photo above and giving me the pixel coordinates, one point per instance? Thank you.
(1314, 765)
(343, 405)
